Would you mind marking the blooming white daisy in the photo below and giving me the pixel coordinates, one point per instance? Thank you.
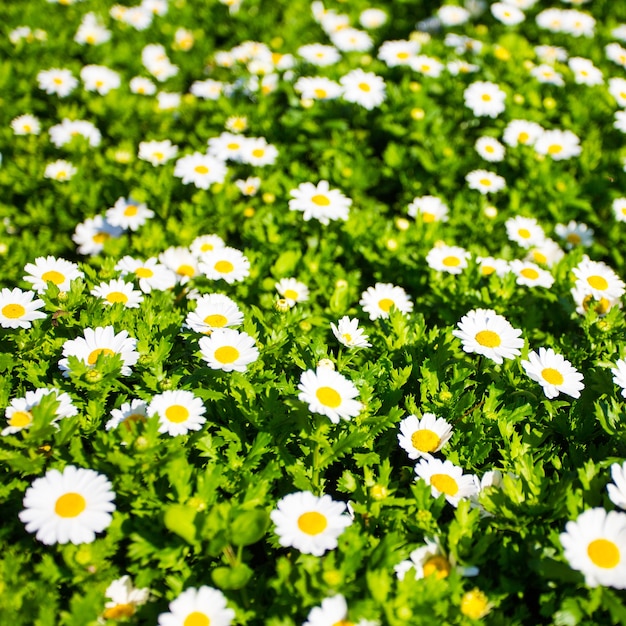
(97, 341)
(18, 309)
(228, 350)
(490, 149)
(428, 66)
(257, 152)
(129, 412)
(208, 89)
(595, 544)
(319, 202)
(227, 147)
(99, 78)
(168, 100)
(578, 24)
(118, 291)
(525, 231)
(619, 375)
(249, 186)
(157, 152)
(309, 523)
(489, 265)
(124, 598)
(450, 259)
(60, 170)
(91, 235)
(446, 478)
(485, 182)
(200, 169)
(453, 15)
(333, 611)
(72, 505)
(616, 53)
(63, 133)
(521, 132)
(142, 86)
(431, 208)
(203, 244)
(329, 393)
(598, 280)
(57, 81)
(554, 373)
(548, 252)
(551, 54)
(485, 332)
(617, 489)
(363, 88)
(26, 124)
(575, 234)
(180, 261)
(198, 607)
(378, 300)
(530, 274)
(225, 263)
(292, 289)
(547, 74)
(317, 88)
(351, 40)
(213, 311)
(319, 54)
(179, 411)
(484, 99)
(620, 121)
(617, 88)
(348, 333)
(422, 436)
(558, 144)
(585, 72)
(372, 18)
(19, 412)
(128, 214)
(50, 269)
(236, 123)
(150, 273)
(585, 301)
(507, 13)
(398, 52)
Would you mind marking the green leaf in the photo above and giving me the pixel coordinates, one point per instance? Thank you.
(248, 527)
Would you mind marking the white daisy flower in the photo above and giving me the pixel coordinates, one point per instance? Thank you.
(317, 88)
(598, 280)
(257, 152)
(198, 607)
(150, 273)
(378, 300)
(506, 13)
(292, 289)
(521, 132)
(128, 214)
(157, 152)
(619, 375)
(319, 54)
(595, 544)
(453, 15)
(489, 265)
(617, 88)
(450, 259)
(208, 89)
(129, 412)
(249, 186)
(558, 144)
(585, 72)
(428, 66)
(309, 523)
(554, 373)
(490, 149)
(348, 333)
(329, 393)
(57, 81)
(99, 78)
(363, 88)
(50, 269)
(483, 331)
(585, 301)
(484, 99)
(144, 87)
(228, 350)
(530, 274)
(179, 412)
(227, 147)
(398, 52)
(124, 598)
(332, 611)
(118, 291)
(551, 54)
(372, 18)
(548, 252)
(91, 235)
(319, 202)
(485, 182)
(63, 133)
(225, 263)
(351, 40)
(100, 340)
(213, 311)
(205, 243)
(446, 478)
(19, 308)
(547, 74)
(431, 208)
(68, 506)
(616, 53)
(422, 436)
(200, 169)
(575, 234)
(617, 489)
(60, 170)
(180, 261)
(26, 124)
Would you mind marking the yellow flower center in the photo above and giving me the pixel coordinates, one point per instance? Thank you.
(53, 276)
(343, 622)
(474, 604)
(554, 377)
(13, 311)
(320, 200)
(328, 397)
(347, 337)
(197, 619)
(524, 233)
(523, 137)
(144, 272)
(487, 270)
(437, 565)
(452, 261)
(291, 294)
(385, 304)
(601, 307)
(312, 523)
(20, 419)
(135, 417)
(427, 218)
(489, 149)
(403, 55)
(258, 152)
(93, 355)
(70, 505)
(485, 182)
(598, 282)
(444, 483)
(101, 237)
(130, 210)
(226, 354)
(425, 440)
(320, 93)
(539, 257)
(216, 320)
(177, 413)
(364, 87)
(486, 97)
(224, 267)
(233, 146)
(574, 239)
(118, 611)
(488, 338)
(555, 149)
(530, 273)
(604, 553)
(57, 80)
(185, 270)
(117, 296)
(201, 169)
